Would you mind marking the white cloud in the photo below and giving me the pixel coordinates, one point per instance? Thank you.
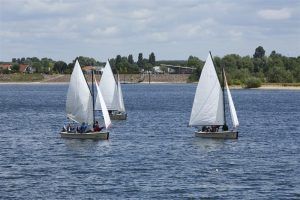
(194, 30)
(159, 36)
(90, 17)
(141, 14)
(46, 6)
(173, 28)
(272, 14)
(235, 34)
(108, 31)
(9, 34)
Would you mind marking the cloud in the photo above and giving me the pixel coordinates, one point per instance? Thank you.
(108, 31)
(175, 29)
(159, 36)
(46, 6)
(272, 14)
(141, 14)
(90, 17)
(235, 34)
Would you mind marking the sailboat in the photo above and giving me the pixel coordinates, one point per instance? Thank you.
(80, 108)
(208, 109)
(112, 94)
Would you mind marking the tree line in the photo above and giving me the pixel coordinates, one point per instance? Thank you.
(256, 69)
(120, 64)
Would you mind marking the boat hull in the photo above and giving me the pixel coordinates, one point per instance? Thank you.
(218, 135)
(118, 116)
(90, 135)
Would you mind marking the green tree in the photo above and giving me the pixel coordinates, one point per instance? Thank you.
(87, 61)
(259, 60)
(152, 59)
(247, 63)
(118, 62)
(35, 59)
(61, 66)
(259, 52)
(196, 63)
(140, 61)
(279, 75)
(118, 59)
(124, 65)
(15, 68)
(130, 59)
(38, 67)
(148, 67)
(252, 82)
(22, 60)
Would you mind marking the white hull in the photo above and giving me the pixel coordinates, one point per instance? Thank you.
(118, 116)
(89, 135)
(218, 135)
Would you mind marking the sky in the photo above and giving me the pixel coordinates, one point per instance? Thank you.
(173, 30)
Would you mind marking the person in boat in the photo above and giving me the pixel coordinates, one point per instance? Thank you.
(215, 128)
(97, 128)
(225, 127)
(69, 128)
(206, 129)
(83, 127)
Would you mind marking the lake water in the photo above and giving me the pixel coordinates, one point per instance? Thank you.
(153, 154)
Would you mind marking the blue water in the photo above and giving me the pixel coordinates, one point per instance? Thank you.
(152, 155)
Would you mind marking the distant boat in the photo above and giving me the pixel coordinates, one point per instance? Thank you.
(208, 111)
(112, 94)
(80, 107)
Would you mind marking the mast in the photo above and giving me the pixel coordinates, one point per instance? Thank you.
(222, 85)
(93, 96)
(223, 94)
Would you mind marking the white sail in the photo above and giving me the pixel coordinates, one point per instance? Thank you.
(109, 89)
(79, 99)
(121, 101)
(208, 108)
(234, 118)
(105, 114)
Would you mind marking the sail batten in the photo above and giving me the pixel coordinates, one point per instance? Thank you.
(208, 108)
(79, 99)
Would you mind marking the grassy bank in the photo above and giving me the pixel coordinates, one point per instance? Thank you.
(21, 77)
(282, 84)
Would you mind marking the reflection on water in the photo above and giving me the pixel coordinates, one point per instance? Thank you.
(76, 145)
(208, 145)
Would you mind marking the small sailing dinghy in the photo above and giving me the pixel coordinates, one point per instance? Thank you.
(208, 109)
(112, 94)
(80, 108)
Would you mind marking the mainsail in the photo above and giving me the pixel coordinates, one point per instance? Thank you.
(234, 118)
(79, 99)
(208, 107)
(109, 89)
(100, 99)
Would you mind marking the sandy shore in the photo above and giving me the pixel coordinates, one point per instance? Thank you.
(33, 83)
(263, 87)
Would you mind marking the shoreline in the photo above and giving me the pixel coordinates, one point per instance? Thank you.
(263, 87)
